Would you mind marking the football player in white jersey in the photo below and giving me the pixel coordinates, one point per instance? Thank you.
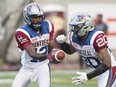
(92, 45)
(34, 40)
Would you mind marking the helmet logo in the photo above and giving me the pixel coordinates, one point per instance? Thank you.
(80, 17)
(29, 8)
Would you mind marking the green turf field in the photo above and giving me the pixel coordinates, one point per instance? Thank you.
(60, 78)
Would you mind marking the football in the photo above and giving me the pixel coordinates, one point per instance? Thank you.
(57, 55)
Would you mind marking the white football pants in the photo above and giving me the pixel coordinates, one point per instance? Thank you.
(41, 75)
(108, 79)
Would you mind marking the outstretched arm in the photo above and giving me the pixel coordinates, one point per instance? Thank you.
(106, 64)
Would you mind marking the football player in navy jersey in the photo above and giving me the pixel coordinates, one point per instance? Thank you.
(34, 40)
(92, 45)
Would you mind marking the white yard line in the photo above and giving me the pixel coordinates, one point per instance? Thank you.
(6, 73)
(5, 81)
(10, 73)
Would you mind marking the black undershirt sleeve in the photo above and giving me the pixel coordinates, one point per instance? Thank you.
(101, 69)
(65, 47)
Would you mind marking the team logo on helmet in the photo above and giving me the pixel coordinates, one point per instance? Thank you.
(80, 17)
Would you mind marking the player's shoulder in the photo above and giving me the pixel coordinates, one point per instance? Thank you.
(48, 25)
(99, 40)
(21, 31)
(47, 22)
(96, 34)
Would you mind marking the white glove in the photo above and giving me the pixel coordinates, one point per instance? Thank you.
(61, 39)
(80, 79)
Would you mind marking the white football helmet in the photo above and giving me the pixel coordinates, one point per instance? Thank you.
(33, 10)
(81, 23)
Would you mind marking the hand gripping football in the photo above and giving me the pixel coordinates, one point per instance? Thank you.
(57, 55)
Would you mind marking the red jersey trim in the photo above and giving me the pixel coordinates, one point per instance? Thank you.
(52, 32)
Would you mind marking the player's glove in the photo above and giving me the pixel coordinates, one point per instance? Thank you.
(80, 79)
(61, 39)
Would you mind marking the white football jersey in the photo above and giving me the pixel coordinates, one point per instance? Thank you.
(25, 36)
(95, 41)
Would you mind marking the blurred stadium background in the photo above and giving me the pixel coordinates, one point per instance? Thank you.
(59, 12)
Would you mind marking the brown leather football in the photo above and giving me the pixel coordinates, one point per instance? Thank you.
(57, 55)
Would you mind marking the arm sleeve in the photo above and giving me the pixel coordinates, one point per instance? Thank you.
(100, 42)
(65, 47)
(22, 39)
